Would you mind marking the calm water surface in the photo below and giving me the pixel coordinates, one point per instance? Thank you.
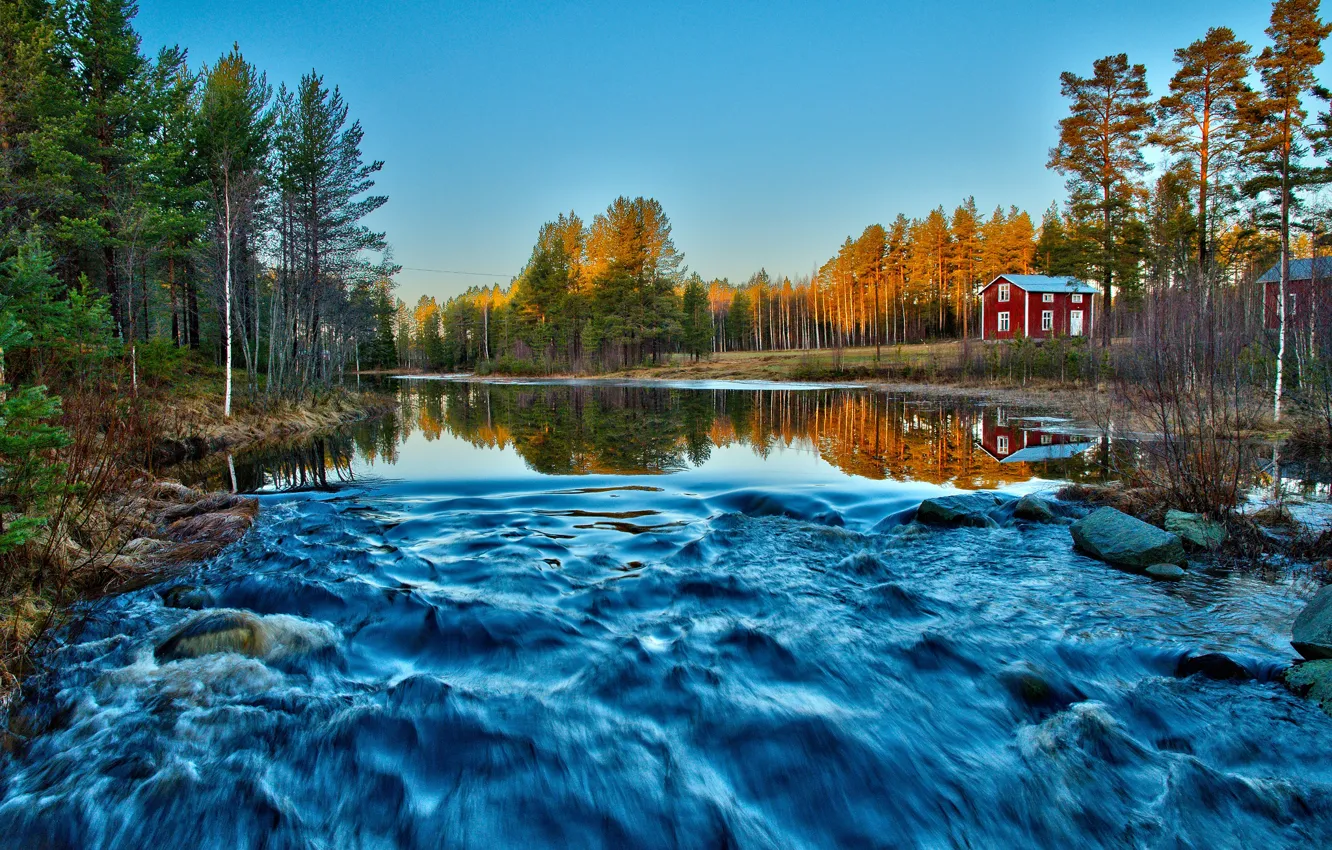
(551, 615)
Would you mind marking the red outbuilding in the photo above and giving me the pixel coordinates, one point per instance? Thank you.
(1303, 283)
(1037, 306)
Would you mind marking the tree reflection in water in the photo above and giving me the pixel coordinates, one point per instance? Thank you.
(581, 429)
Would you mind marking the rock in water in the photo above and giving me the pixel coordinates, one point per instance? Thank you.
(1312, 633)
(187, 596)
(983, 510)
(1117, 538)
(1213, 665)
(1165, 572)
(215, 631)
(1033, 509)
(1196, 530)
(1313, 680)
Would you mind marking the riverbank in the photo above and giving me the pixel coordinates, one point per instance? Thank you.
(923, 369)
(151, 524)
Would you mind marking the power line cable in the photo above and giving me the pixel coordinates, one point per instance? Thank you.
(451, 271)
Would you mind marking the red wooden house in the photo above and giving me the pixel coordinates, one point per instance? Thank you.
(1300, 304)
(1036, 306)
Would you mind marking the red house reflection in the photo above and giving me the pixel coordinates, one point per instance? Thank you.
(1023, 440)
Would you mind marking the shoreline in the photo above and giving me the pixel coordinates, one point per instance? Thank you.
(164, 526)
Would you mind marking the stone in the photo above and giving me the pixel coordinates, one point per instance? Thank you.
(1213, 665)
(982, 510)
(1195, 530)
(221, 527)
(1165, 572)
(1035, 689)
(1311, 680)
(1312, 633)
(213, 632)
(218, 502)
(1034, 509)
(187, 596)
(1115, 537)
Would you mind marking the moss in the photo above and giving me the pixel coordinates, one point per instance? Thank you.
(1312, 680)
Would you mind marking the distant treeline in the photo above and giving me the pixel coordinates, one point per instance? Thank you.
(1240, 160)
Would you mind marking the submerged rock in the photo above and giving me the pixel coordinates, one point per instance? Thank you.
(1034, 509)
(1117, 538)
(1213, 665)
(1165, 572)
(1312, 680)
(1035, 689)
(1195, 530)
(187, 596)
(983, 510)
(215, 631)
(1312, 633)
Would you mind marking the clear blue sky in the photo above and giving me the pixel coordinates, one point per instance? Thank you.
(769, 131)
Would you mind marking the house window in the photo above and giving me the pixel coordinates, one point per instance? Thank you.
(1047, 320)
(1004, 292)
(1002, 447)
(1077, 298)
(1003, 321)
(1290, 311)
(1048, 298)
(1047, 439)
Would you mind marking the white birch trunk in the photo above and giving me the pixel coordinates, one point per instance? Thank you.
(226, 294)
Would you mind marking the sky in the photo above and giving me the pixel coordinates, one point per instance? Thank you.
(769, 131)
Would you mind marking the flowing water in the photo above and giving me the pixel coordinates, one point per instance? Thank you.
(550, 615)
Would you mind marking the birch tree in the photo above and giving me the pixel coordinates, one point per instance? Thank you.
(233, 141)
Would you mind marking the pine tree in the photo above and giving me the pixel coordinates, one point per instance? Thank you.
(1100, 151)
(1200, 119)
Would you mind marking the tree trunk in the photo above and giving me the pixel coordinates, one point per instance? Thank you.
(226, 295)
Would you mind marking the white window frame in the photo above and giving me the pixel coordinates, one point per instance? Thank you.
(1005, 293)
(1077, 298)
(1001, 445)
(1294, 302)
(1047, 320)
(1048, 297)
(1005, 323)
(1047, 439)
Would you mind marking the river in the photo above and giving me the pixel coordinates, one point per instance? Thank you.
(592, 615)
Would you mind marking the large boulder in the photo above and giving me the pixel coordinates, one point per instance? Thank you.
(1313, 680)
(216, 631)
(1124, 541)
(983, 510)
(1034, 509)
(1195, 530)
(1312, 633)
